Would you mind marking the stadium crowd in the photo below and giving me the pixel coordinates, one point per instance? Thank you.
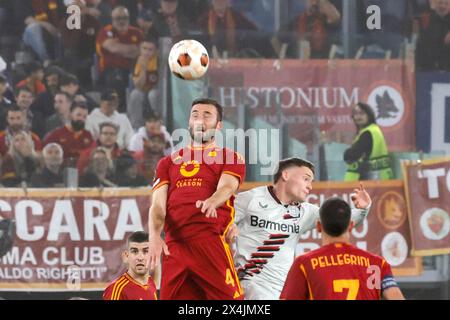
(88, 98)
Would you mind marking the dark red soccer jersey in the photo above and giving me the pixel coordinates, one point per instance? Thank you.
(111, 60)
(5, 141)
(126, 288)
(72, 142)
(193, 174)
(338, 272)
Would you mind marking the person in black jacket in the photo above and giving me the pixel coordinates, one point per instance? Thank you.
(433, 46)
(44, 101)
(51, 175)
(100, 172)
(127, 172)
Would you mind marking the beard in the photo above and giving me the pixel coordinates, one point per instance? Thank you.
(16, 127)
(202, 136)
(53, 162)
(77, 125)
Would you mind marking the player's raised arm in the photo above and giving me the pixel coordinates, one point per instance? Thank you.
(157, 215)
(393, 294)
(227, 186)
(362, 201)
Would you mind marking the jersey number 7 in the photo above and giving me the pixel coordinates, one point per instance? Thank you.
(352, 285)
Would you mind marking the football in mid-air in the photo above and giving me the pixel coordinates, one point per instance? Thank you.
(188, 59)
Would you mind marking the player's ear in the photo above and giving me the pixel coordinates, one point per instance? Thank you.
(219, 125)
(124, 256)
(318, 226)
(285, 175)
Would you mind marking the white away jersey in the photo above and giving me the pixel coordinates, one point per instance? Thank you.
(268, 235)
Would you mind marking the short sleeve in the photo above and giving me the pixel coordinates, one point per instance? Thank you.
(387, 277)
(162, 173)
(234, 164)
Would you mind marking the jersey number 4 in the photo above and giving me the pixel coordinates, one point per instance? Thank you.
(352, 286)
(229, 278)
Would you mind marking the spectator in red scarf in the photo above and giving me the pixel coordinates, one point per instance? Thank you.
(33, 81)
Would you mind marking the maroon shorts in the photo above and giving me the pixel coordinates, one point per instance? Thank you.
(200, 269)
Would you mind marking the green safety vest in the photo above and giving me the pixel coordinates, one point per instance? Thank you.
(378, 163)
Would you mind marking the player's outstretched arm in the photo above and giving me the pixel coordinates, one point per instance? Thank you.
(157, 215)
(362, 201)
(393, 293)
(227, 186)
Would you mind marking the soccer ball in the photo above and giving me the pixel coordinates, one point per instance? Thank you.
(188, 59)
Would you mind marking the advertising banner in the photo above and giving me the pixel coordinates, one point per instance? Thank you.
(428, 193)
(314, 98)
(69, 240)
(73, 240)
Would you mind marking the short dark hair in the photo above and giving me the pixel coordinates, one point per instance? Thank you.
(291, 162)
(153, 117)
(109, 95)
(78, 104)
(18, 90)
(367, 110)
(213, 102)
(151, 39)
(335, 216)
(68, 96)
(13, 108)
(138, 236)
(108, 124)
(146, 14)
(54, 70)
(33, 67)
(68, 78)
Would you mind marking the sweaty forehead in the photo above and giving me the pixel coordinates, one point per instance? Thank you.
(201, 108)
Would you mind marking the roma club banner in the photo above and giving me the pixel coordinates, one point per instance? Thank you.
(316, 96)
(427, 187)
(385, 231)
(69, 240)
(73, 240)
